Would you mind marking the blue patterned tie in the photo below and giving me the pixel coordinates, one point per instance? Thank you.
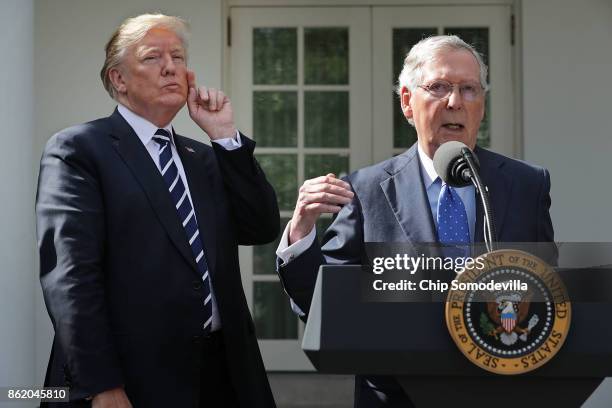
(453, 226)
(178, 192)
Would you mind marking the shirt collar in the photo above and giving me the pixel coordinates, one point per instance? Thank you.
(429, 175)
(144, 129)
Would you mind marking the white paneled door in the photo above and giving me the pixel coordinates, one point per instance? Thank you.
(314, 87)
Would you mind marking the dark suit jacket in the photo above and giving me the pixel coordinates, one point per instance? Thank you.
(391, 205)
(118, 276)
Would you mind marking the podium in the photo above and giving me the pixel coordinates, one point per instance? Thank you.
(410, 341)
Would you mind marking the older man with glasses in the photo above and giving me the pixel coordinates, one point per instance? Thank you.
(442, 90)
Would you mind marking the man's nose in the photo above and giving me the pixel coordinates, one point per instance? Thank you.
(168, 67)
(455, 100)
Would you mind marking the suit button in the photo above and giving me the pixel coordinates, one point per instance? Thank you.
(197, 285)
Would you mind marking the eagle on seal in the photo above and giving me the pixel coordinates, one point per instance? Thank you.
(508, 312)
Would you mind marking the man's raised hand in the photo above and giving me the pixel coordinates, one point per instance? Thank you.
(325, 194)
(210, 109)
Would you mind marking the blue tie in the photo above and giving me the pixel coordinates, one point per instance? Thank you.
(178, 192)
(453, 226)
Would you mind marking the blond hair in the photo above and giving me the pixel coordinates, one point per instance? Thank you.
(129, 33)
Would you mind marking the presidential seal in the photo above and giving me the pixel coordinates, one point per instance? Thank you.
(510, 317)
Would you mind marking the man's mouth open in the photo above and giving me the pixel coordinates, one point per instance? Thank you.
(453, 126)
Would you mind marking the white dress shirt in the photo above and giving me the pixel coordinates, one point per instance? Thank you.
(145, 131)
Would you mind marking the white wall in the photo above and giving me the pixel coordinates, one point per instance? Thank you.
(16, 195)
(567, 67)
(567, 90)
(69, 51)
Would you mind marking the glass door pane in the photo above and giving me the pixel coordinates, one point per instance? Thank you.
(300, 88)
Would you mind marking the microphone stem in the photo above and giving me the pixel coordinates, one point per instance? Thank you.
(489, 226)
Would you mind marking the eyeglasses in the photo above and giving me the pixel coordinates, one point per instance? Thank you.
(443, 89)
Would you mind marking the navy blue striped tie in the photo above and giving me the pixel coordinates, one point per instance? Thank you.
(178, 192)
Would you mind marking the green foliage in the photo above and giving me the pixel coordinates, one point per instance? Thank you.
(485, 325)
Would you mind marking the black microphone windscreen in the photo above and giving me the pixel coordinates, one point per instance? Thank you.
(446, 159)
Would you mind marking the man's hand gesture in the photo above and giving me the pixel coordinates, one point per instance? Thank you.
(325, 194)
(210, 109)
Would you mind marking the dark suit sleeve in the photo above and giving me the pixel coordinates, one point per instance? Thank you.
(252, 198)
(71, 234)
(546, 233)
(342, 245)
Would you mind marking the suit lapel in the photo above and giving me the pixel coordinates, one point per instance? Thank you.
(195, 162)
(136, 157)
(406, 194)
(499, 185)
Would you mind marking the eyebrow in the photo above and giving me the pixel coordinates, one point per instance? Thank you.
(468, 81)
(143, 49)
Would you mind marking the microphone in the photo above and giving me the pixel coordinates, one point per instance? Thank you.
(452, 164)
(458, 166)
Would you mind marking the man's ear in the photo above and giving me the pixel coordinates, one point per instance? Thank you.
(484, 111)
(117, 79)
(405, 98)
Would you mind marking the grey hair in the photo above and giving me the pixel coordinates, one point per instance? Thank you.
(130, 32)
(426, 50)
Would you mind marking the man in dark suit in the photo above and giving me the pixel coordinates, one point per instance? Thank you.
(442, 89)
(138, 231)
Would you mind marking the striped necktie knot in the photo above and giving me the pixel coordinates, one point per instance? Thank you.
(162, 137)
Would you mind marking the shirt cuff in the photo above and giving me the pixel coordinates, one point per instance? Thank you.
(230, 143)
(287, 252)
(296, 309)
